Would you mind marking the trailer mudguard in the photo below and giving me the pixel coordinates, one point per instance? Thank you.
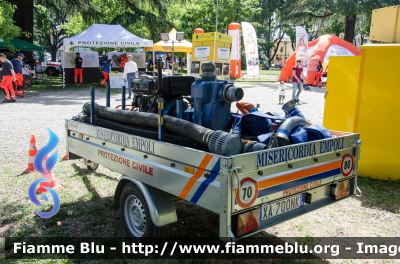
(161, 207)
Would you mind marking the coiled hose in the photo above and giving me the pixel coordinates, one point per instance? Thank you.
(255, 124)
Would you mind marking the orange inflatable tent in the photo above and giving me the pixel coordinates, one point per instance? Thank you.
(320, 49)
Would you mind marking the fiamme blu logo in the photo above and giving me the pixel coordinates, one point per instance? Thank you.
(44, 166)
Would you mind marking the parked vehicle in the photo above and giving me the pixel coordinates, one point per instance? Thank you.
(50, 68)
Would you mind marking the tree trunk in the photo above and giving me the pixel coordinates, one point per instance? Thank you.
(362, 39)
(268, 41)
(350, 25)
(23, 17)
(53, 53)
(53, 48)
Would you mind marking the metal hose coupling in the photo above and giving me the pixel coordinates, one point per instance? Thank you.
(224, 144)
(232, 94)
(207, 135)
(85, 108)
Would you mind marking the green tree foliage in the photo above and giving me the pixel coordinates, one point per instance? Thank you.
(300, 12)
(51, 15)
(270, 27)
(57, 19)
(363, 26)
(202, 14)
(74, 26)
(334, 25)
(8, 29)
(146, 19)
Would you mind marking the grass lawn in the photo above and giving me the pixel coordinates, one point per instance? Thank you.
(265, 76)
(265, 72)
(44, 83)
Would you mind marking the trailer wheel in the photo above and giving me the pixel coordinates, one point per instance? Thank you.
(51, 71)
(92, 167)
(135, 215)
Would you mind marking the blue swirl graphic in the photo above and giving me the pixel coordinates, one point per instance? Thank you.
(41, 154)
(34, 199)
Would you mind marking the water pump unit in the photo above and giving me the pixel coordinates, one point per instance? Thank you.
(205, 101)
(212, 99)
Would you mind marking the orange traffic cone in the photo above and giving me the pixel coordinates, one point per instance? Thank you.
(31, 154)
(52, 184)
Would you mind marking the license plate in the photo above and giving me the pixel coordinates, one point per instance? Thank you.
(323, 79)
(282, 206)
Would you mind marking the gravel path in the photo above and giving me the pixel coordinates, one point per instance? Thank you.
(32, 115)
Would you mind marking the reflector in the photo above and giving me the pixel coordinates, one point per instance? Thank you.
(248, 222)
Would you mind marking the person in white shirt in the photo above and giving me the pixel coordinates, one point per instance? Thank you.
(281, 91)
(130, 70)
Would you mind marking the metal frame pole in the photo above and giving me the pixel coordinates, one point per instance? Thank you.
(153, 58)
(108, 95)
(92, 105)
(160, 102)
(123, 97)
(63, 78)
(173, 58)
(179, 109)
(216, 30)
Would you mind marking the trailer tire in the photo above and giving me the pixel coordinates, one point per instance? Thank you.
(135, 215)
(93, 168)
(51, 71)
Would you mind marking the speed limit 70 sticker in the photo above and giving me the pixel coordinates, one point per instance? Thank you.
(347, 165)
(247, 192)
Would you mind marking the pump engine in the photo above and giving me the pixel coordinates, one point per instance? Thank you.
(205, 101)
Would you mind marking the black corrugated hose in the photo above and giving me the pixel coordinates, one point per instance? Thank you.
(147, 132)
(172, 124)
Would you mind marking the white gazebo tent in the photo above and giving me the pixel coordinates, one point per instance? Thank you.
(106, 36)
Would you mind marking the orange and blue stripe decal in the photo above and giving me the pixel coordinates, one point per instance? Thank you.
(204, 184)
(290, 180)
(201, 168)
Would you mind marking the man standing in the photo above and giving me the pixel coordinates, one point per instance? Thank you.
(78, 68)
(150, 66)
(130, 70)
(297, 76)
(162, 64)
(318, 75)
(18, 66)
(169, 61)
(8, 78)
